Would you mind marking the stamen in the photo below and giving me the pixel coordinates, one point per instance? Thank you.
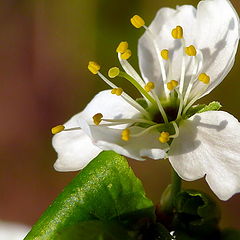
(126, 55)
(126, 120)
(165, 54)
(191, 50)
(125, 135)
(177, 32)
(183, 71)
(180, 103)
(97, 118)
(122, 47)
(93, 67)
(126, 97)
(160, 60)
(176, 130)
(149, 86)
(130, 70)
(203, 77)
(172, 85)
(164, 137)
(113, 72)
(197, 62)
(117, 91)
(145, 131)
(57, 129)
(137, 21)
(160, 107)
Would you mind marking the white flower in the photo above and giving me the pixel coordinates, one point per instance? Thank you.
(12, 231)
(184, 54)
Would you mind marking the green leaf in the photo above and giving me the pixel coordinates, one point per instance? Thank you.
(230, 234)
(94, 230)
(196, 213)
(213, 106)
(106, 189)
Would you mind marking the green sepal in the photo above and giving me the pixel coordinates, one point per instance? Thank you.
(196, 213)
(106, 189)
(213, 106)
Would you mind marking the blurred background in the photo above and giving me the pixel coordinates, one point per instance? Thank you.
(45, 46)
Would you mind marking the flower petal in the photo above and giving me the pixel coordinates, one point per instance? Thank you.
(137, 148)
(110, 106)
(75, 149)
(208, 144)
(162, 25)
(13, 231)
(218, 20)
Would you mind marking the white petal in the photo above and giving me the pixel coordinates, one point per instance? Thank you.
(13, 231)
(217, 37)
(75, 149)
(137, 148)
(162, 25)
(208, 144)
(111, 107)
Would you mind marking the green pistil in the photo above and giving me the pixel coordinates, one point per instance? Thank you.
(138, 86)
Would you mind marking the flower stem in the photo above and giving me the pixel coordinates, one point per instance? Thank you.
(170, 193)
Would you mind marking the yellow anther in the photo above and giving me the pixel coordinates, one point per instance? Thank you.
(113, 72)
(137, 21)
(93, 67)
(172, 84)
(97, 118)
(125, 134)
(164, 137)
(117, 91)
(165, 54)
(122, 47)
(126, 55)
(203, 77)
(149, 86)
(57, 129)
(191, 50)
(177, 32)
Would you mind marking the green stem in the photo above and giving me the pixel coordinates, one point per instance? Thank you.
(176, 187)
(170, 193)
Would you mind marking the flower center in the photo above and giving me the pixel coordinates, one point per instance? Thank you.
(163, 110)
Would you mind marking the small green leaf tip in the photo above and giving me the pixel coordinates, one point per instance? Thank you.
(106, 189)
(213, 106)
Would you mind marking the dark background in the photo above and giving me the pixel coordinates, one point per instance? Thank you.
(44, 50)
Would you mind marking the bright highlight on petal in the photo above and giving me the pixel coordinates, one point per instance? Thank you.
(149, 86)
(122, 47)
(117, 91)
(191, 51)
(125, 134)
(164, 137)
(57, 129)
(93, 67)
(126, 55)
(165, 54)
(113, 72)
(177, 32)
(97, 118)
(137, 21)
(203, 77)
(172, 85)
